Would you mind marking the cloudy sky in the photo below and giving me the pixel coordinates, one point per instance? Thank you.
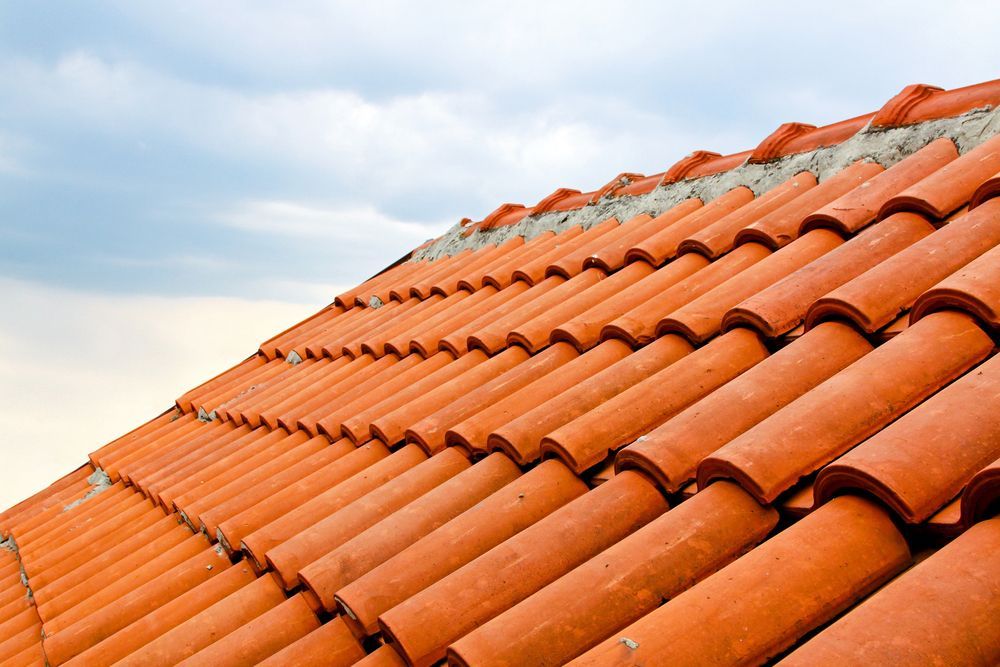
(179, 180)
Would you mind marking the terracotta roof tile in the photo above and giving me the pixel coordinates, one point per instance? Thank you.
(671, 452)
(948, 188)
(859, 207)
(879, 295)
(850, 406)
(663, 245)
(924, 459)
(975, 288)
(719, 237)
(518, 410)
(421, 627)
(829, 560)
(913, 620)
(782, 226)
(701, 318)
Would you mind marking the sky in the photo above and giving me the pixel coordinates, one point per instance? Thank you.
(179, 181)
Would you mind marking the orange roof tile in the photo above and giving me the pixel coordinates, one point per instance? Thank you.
(699, 435)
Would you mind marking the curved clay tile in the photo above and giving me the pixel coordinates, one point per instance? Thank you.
(219, 467)
(534, 334)
(879, 295)
(718, 165)
(473, 272)
(186, 403)
(778, 309)
(663, 245)
(979, 500)
(376, 343)
(426, 341)
(680, 170)
(255, 471)
(898, 109)
(392, 427)
(975, 288)
(368, 374)
(950, 187)
(718, 238)
(752, 610)
(563, 199)
(340, 525)
(72, 633)
(612, 187)
(534, 271)
(258, 506)
(774, 145)
(493, 337)
(520, 438)
(502, 275)
(418, 285)
(422, 627)
(243, 494)
(852, 405)
(409, 386)
(330, 644)
(941, 612)
(472, 432)
(360, 294)
(859, 207)
(587, 440)
(208, 625)
(428, 332)
(920, 102)
(114, 554)
(301, 344)
(584, 329)
(454, 334)
(261, 637)
(163, 619)
(344, 563)
(827, 135)
(396, 377)
(306, 514)
(516, 506)
(295, 337)
(701, 318)
(989, 189)
(781, 227)
(923, 460)
(621, 584)
(350, 344)
(429, 432)
(472, 281)
(679, 286)
(503, 216)
(610, 255)
(573, 263)
(330, 342)
(278, 413)
(117, 448)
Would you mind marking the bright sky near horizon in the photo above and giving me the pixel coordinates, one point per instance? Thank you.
(179, 181)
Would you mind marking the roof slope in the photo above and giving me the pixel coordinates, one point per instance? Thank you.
(745, 410)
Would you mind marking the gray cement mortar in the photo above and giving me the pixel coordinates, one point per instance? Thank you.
(99, 481)
(885, 146)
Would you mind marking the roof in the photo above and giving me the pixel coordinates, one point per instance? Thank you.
(744, 410)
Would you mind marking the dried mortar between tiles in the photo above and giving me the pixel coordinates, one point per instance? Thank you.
(887, 146)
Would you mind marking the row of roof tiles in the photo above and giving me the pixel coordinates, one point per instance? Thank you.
(476, 457)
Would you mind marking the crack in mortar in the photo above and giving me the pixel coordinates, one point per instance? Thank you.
(887, 146)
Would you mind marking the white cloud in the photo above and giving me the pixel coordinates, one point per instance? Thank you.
(79, 369)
